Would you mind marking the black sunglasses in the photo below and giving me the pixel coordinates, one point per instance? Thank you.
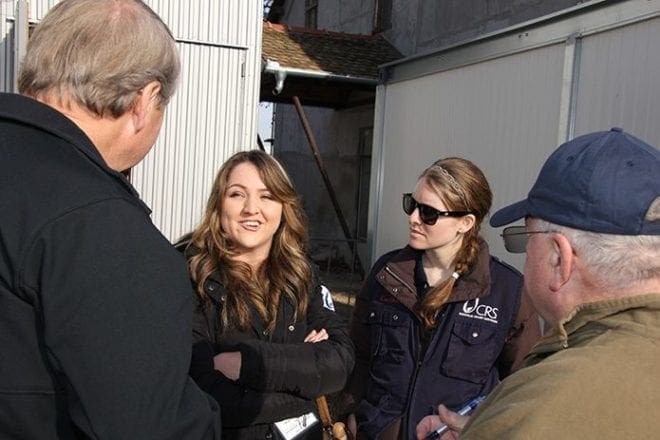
(428, 214)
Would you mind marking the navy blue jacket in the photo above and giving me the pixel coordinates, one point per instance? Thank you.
(482, 331)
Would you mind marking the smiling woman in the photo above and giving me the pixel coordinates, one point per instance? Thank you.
(251, 215)
(266, 338)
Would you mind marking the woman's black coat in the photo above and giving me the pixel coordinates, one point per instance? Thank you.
(280, 374)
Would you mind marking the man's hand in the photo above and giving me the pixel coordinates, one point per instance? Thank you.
(454, 422)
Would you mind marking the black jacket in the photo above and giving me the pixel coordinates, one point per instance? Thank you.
(280, 374)
(402, 373)
(95, 307)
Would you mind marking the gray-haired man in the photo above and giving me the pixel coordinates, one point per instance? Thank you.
(592, 237)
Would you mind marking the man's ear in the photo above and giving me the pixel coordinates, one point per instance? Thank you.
(562, 261)
(145, 101)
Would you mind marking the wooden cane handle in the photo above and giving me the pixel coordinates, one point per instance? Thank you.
(324, 411)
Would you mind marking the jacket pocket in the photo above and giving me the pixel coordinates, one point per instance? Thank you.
(373, 417)
(389, 333)
(471, 352)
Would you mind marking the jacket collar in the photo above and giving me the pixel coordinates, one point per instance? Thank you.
(614, 313)
(215, 288)
(397, 277)
(31, 112)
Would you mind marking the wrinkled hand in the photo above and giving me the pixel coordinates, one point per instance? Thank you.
(228, 363)
(454, 421)
(315, 336)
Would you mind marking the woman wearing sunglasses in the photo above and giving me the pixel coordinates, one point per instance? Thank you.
(441, 320)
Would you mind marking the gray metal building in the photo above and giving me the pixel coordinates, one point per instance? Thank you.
(344, 136)
(212, 115)
(506, 100)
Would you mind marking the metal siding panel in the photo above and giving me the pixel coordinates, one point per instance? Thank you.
(223, 22)
(228, 23)
(7, 12)
(199, 132)
(506, 124)
(213, 114)
(619, 83)
(37, 9)
(583, 19)
(501, 114)
(252, 71)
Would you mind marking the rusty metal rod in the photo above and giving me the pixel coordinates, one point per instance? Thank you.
(328, 185)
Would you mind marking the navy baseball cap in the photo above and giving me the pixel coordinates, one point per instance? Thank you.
(602, 182)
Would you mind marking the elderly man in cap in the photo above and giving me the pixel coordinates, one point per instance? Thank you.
(592, 237)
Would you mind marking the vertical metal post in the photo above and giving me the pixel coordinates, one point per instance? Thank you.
(260, 143)
(326, 180)
(21, 26)
(568, 99)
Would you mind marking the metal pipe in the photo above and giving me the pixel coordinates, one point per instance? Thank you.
(567, 88)
(21, 27)
(281, 73)
(326, 180)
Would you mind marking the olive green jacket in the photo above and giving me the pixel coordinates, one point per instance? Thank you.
(595, 376)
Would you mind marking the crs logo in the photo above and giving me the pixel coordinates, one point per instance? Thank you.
(327, 298)
(480, 311)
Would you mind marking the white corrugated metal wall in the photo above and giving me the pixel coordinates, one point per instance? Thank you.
(504, 102)
(212, 115)
(619, 81)
(462, 113)
(7, 12)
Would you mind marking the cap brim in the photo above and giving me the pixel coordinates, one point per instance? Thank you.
(509, 214)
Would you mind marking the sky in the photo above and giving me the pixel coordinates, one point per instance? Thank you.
(265, 123)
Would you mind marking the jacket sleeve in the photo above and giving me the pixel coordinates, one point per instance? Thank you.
(241, 405)
(305, 369)
(524, 333)
(115, 307)
(361, 336)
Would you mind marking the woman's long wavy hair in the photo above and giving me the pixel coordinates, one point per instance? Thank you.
(286, 271)
(469, 191)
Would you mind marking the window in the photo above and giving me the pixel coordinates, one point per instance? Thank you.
(311, 13)
(383, 16)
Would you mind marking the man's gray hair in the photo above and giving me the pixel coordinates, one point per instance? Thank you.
(617, 261)
(99, 54)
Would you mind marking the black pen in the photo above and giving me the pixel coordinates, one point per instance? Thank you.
(465, 410)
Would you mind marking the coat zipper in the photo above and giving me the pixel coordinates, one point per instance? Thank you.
(398, 278)
(405, 420)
